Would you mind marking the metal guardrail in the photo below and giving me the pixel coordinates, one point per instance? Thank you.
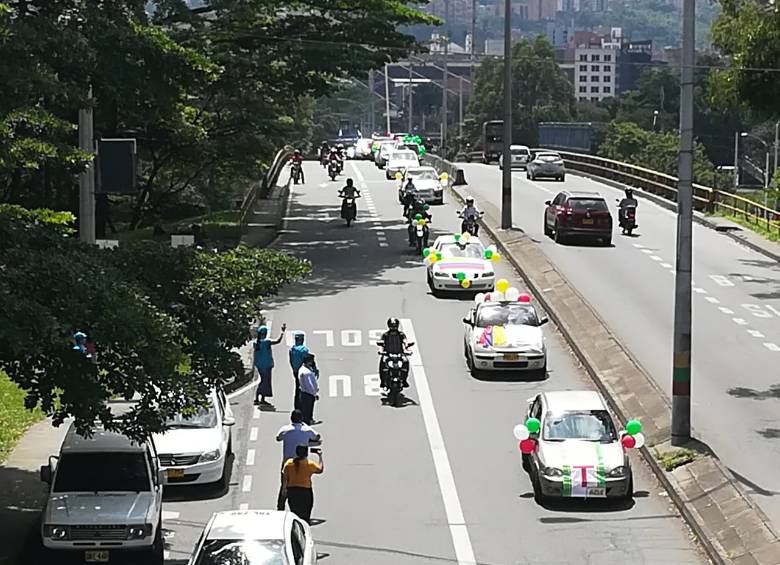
(705, 198)
(262, 188)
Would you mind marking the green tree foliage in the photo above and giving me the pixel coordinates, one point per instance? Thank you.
(165, 320)
(540, 91)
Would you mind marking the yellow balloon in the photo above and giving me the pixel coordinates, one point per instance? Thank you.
(465, 236)
(421, 222)
(398, 176)
(465, 283)
(502, 284)
(495, 257)
(444, 176)
(432, 258)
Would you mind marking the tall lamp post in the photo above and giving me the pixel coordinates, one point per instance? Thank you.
(766, 163)
(506, 177)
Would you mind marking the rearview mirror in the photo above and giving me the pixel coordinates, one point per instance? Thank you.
(544, 320)
(411, 343)
(548, 202)
(228, 421)
(467, 321)
(46, 474)
(162, 477)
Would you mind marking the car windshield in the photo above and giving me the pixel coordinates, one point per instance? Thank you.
(548, 157)
(470, 250)
(404, 156)
(242, 552)
(519, 151)
(588, 425)
(422, 174)
(588, 204)
(516, 314)
(202, 418)
(102, 472)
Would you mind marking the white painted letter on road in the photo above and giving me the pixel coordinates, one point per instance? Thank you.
(333, 385)
(374, 336)
(371, 384)
(351, 338)
(328, 336)
(721, 280)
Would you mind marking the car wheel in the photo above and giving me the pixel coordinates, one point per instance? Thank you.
(547, 231)
(560, 237)
(157, 551)
(563, 178)
(630, 490)
(607, 241)
(539, 496)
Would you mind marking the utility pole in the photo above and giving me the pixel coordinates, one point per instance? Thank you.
(460, 108)
(387, 98)
(473, 35)
(681, 372)
(410, 97)
(372, 115)
(87, 178)
(506, 183)
(736, 161)
(444, 110)
(777, 139)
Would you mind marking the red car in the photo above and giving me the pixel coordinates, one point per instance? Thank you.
(583, 214)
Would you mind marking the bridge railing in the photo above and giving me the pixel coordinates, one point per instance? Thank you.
(263, 187)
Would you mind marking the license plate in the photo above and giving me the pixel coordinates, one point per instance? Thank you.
(175, 473)
(587, 222)
(597, 492)
(511, 357)
(96, 556)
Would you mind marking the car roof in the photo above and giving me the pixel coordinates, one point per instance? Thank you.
(565, 400)
(404, 152)
(518, 147)
(540, 153)
(249, 524)
(100, 441)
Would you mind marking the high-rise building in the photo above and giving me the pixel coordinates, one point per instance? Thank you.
(595, 72)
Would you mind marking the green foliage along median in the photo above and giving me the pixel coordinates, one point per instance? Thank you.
(165, 320)
(14, 417)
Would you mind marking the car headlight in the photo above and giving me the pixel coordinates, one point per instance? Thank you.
(488, 274)
(440, 274)
(56, 532)
(139, 532)
(210, 456)
(552, 472)
(617, 472)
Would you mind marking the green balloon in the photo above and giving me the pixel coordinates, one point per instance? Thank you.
(426, 207)
(438, 256)
(457, 237)
(418, 216)
(488, 253)
(633, 427)
(426, 252)
(422, 150)
(461, 276)
(533, 425)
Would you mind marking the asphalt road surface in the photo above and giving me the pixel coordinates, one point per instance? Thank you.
(736, 313)
(439, 479)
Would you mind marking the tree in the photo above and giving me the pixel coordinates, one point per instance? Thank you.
(165, 320)
(540, 91)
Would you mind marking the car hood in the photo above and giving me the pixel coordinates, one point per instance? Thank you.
(188, 440)
(509, 337)
(455, 264)
(103, 508)
(572, 453)
(427, 185)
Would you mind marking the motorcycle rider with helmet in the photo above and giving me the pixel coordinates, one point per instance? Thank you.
(324, 151)
(393, 341)
(418, 206)
(349, 191)
(628, 202)
(297, 161)
(469, 211)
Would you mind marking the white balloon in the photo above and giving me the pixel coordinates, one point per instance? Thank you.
(521, 432)
(512, 294)
(639, 439)
(479, 297)
(497, 296)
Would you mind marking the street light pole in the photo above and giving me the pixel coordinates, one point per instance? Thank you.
(387, 98)
(410, 98)
(372, 116)
(87, 178)
(506, 177)
(777, 139)
(681, 372)
(460, 109)
(736, 161)
(445, 84)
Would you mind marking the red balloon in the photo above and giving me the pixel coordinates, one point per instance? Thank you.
(628, 441)
(527, 446)
(487, 297)
(524, 298)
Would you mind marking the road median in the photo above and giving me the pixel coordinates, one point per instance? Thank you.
(728, 525)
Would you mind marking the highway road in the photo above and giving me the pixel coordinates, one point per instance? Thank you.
(736, 309)
(437, 480)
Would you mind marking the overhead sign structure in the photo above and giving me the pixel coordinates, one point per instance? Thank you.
(116, 169)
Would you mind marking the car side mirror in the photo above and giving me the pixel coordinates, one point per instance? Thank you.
(548, 202)
(162, 477)
(411, 343)
(46, 474)
(467, 321)
(544, 320)
(228, 421)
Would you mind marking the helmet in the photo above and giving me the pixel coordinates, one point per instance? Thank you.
(340, 146)
(79, 335)
(350, 182)
(297, 151)
(332, 149)
(393, 323)
(469, 201)
(629, 192)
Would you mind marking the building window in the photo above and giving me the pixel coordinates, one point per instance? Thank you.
(607, 57)
(583, 98)
(594, 68)
(595, 57)
(594, 88)
(583, 57)
(607, 68)
(607, 90)
(607, 78)
(583, 89)
(583, 68)
(594, 99)
(594, 78)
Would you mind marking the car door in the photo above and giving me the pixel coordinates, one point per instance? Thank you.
(469, 328)
(297, 543)
(535, 411)
(303, 532)
(552, 209)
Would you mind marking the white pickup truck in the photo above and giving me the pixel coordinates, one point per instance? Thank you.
(105, 497)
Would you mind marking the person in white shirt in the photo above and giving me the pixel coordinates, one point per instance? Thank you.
(292, 435)
(308, 376)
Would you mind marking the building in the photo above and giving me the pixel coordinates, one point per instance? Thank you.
(542, 9)
(595, 72)
(635, 56)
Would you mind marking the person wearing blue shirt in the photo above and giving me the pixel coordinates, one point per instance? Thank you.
(298, 353)
(264, 362)
(81, 342)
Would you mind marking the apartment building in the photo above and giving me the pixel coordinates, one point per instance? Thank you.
(595, 72)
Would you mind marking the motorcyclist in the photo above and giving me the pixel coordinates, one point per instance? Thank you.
(408, 197)
(297, 160)
(393, 341)
(418, 206)
(469, 211)
(324, 151)
(348, 191)
(628, 202)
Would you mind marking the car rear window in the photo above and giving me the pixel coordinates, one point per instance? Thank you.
(588, 425)
(102, 472)
(470, 250)
(588, 204)
(242, 552)
(519, 151)
(548, 157)
(404, 156)
(513, 314)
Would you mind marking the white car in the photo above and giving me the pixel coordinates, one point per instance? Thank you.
(578, 452)
(255, 537)
(427, 184)
(459, 257)
(383, 154)
(196, 449)
(399, 161)
(521, 154)
(505, 336)
(363, 147)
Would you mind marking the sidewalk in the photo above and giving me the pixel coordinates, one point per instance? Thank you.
(727, 524)
(267, 216)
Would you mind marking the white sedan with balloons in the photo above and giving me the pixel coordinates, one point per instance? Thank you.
(572, 449)
(502, 332)
(460, 262)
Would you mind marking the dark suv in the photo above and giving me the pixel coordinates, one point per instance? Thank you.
(578, 214)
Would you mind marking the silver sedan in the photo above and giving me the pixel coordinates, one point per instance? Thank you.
(546, 164)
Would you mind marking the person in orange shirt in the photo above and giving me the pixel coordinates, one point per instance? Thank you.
(297, 473)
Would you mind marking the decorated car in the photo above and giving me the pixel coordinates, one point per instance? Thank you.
(503, 333)
(571, 448)
(458, 263)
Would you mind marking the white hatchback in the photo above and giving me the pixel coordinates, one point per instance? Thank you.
(255, 537)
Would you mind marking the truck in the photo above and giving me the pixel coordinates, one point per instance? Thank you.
(492, 140)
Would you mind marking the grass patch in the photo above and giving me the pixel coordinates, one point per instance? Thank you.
(670, 460)
(14, 417)
(222, 229)
(758, 226)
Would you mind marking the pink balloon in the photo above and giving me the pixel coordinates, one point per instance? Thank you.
(487, 297)
(527, 446)
(524, 298)
(628, 441)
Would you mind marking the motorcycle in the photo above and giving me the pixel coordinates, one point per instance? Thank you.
(333, 170)
(470, 224)
(627, 219)
(348, 209)
(420, 231)
(296, 172)
(396, 369)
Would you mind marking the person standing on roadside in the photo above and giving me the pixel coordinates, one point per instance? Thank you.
(292, 435)
(298, 353)
(308, 380)
(296, 479)
(264, 362)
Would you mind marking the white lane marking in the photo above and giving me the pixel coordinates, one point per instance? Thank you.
(772, 346)
(725, 310)
(648, 251)
(169, 515)
(464, 553)
(698, 290)
(721, 280)
(712, 300)
(655, 258)
(755, 333)
(250, 457)
(253, 434)
(358, 174)
(255, 412)
(383, 245)
(320, 242)
(243, 507)
(739, 321)
(639, 246)
(666, 266)
(246, 486)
